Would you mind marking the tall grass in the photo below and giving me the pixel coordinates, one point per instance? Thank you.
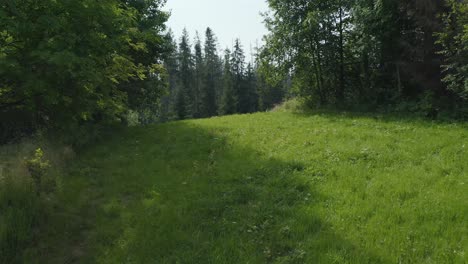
(20, 213)
(22, 208)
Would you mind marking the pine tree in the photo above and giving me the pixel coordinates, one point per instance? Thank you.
(198, 79)
(183, 106)
(229, 100)
(211, 75)
(237, 69)
(251, 87)
(171, 65)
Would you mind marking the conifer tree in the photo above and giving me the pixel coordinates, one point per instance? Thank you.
(171, 65)
(197, 79)
(183, 106)
(211, 75)
(237, 69)
(251, 87)
(229, 100)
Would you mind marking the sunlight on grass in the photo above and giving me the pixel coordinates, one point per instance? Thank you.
(271, 188)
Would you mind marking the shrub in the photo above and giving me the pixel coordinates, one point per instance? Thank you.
(27, 190)
(37, 167)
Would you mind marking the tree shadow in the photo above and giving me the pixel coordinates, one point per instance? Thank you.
(181, 193)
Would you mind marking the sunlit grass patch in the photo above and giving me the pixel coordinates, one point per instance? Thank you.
(276, 187)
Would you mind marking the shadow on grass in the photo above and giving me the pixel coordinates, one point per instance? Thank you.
(181, 193)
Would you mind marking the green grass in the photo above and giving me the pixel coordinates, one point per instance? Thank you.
(266, 188)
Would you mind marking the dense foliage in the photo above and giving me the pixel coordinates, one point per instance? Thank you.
(75, 65)
(454, 41)
(371, 54)
(67, 64)
(205, 83)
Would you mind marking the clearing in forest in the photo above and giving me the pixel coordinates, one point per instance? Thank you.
(268, 188)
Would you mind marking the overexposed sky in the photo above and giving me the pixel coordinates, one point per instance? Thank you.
(229, 19)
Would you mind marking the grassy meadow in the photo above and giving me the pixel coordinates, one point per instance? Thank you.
(278, 187)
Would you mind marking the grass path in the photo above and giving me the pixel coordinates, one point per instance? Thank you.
(267, 188)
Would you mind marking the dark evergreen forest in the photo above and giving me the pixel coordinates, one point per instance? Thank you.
(206, 82)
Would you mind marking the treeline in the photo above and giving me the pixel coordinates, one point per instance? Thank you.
(72, 66)
(204, 82)
(371, 54)
(75, 67)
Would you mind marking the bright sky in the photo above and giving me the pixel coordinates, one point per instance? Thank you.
(229, 19)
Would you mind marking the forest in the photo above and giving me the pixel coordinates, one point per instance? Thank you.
(401, 55)
(340, 138)
(100, 62)
(204, 82)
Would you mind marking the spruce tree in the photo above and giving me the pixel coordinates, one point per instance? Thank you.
(229, 99)
(251, 88)
(171, 65)
(237, 69)
(197, 79)
(211, 75)
(184, 92)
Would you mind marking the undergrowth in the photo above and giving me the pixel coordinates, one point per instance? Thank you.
(29, 181)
